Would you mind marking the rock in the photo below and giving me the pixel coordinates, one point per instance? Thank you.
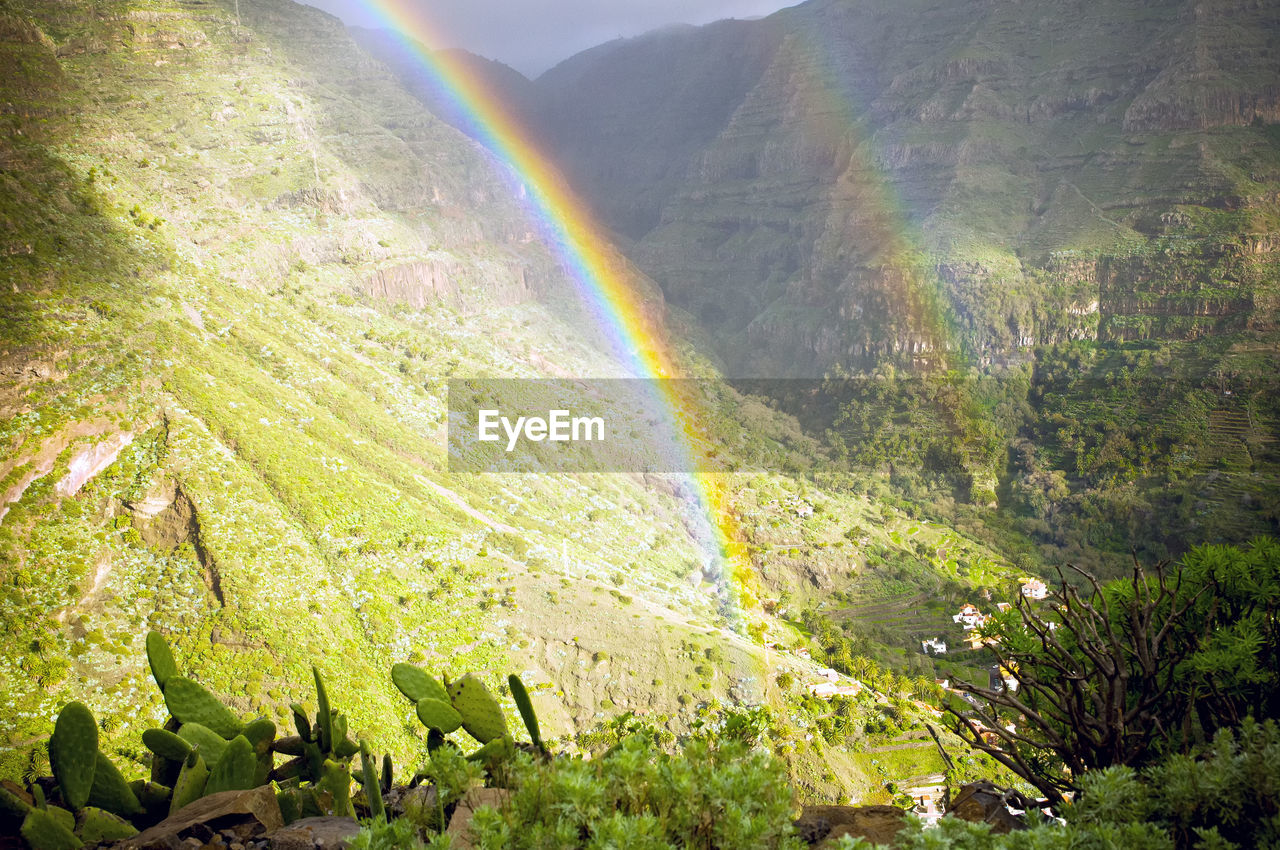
(983, 802)
(315, 834)
(400, 800)
(246, 814)
(822, 825)
(460, 824)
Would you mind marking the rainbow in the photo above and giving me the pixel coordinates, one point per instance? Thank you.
(634, 331)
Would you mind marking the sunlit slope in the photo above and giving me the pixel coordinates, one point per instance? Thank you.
(238, 265)
(192, 211)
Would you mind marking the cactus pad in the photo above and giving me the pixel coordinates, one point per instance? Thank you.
(101, 827)
(163, 667)
(165, 744)
(481, 715)
(236, 769)
(191, 702)
(417, 684)
(435, 714)
(73, 751)
(191, 782)
(369, 779)
(495, 751)
(211, 744)
(110, 791)
(44, 832)
(521, 696)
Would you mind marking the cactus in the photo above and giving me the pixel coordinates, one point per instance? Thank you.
(191, 782)
(163, 667)
(300, 721)
(155, 796)
(386, 773)
(417, 684)
(44, 831)
(101, 827)
(521, 696)
(191, 702)
(334, 788)
(481, 714)
(210, 743)
(291, 746)
(369, 778)
(290, 810)
(110, 791)
(262, 734)
(324, 720)
(236, 770)
(435, 714)
(166, 745)
(73, 750)
(13, 804)
(343, 746)
(495, 751)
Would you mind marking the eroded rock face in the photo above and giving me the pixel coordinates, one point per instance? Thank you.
(88, 462)
(166, 518)
(781, 178)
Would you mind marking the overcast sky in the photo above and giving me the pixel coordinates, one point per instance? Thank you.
(533, 35)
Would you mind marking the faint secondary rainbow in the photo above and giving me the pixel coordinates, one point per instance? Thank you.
(633, 330)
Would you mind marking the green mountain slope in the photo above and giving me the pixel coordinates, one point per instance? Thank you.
(239, 262)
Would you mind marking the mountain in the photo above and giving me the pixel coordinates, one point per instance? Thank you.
(1040, 239)
(240, 262)
(802, 182)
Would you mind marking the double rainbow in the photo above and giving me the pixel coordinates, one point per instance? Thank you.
(633, 329)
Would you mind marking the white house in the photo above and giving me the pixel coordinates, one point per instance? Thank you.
(969, 617)
(937, 646)
(1034, 588)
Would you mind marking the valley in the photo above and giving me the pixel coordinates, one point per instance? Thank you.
(968, 304)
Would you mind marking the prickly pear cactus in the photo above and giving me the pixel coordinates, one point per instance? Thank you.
(165, 744)
(97, 826)
(481, 714)
(324, 719)
(369, 779)
(191, 782)
(335, 789)
(13, 804)
(417, 684)
(435, 714)
(210, 743)
(191, 702)
(43, 831)
(495, 751)
(521, 696)
(159, 656)
(236, 770)
(73, 753)
(110, 791)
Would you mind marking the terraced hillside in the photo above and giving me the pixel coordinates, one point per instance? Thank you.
(239, 264)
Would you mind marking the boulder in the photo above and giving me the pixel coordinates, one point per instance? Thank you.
(328, 833)
(821, 826)
(243, 814)
(460, 824)
(984, 802)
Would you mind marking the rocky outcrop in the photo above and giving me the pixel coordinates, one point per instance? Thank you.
(167, 519)
(781, 178)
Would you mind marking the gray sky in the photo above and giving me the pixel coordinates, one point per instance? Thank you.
(533, 35)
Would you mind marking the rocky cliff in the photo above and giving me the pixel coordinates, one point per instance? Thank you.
(849, 180)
